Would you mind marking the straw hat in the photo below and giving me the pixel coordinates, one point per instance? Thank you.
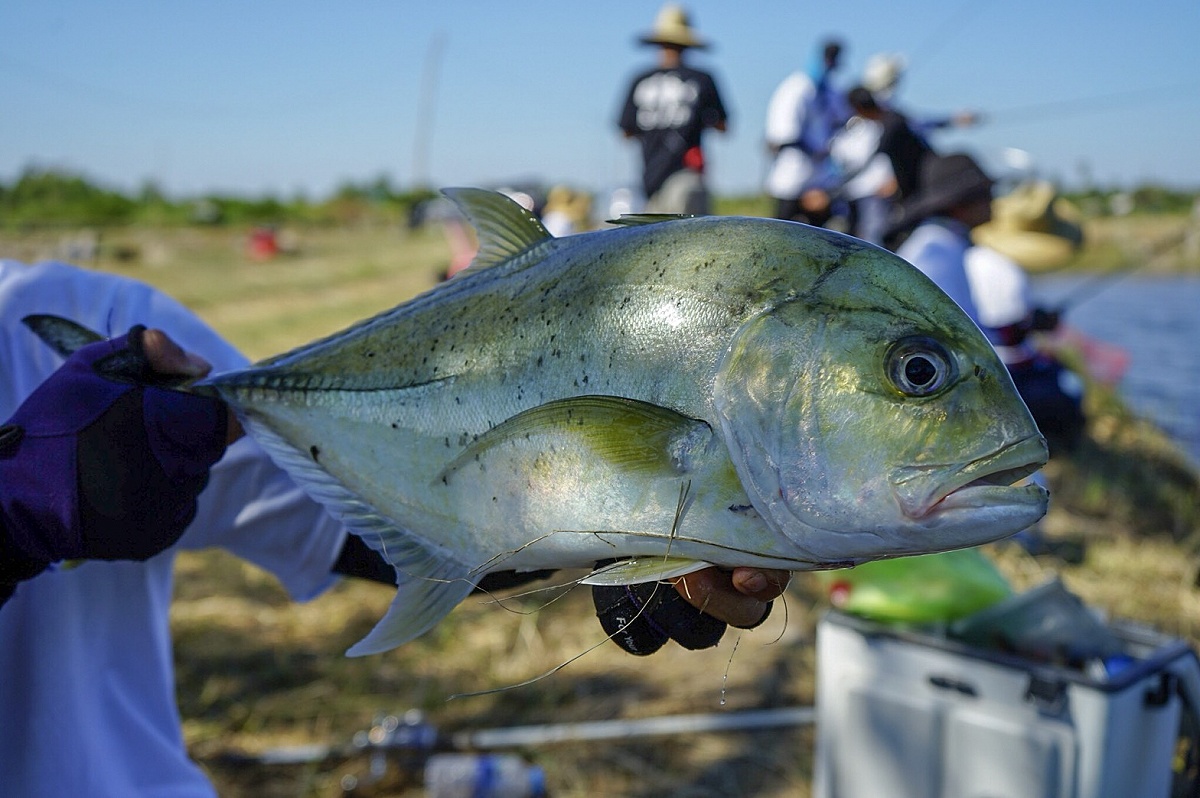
(673, 27)
(1033, 226)
(576, 205)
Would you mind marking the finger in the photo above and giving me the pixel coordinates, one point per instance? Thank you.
(764, 584)
(167, 357)
(712, 591)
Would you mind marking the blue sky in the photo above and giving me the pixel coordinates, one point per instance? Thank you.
(299, 96)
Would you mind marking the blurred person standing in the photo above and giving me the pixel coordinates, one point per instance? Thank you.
(667, 108)
(803, 114)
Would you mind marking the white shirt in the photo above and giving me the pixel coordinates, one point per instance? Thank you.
(938, 249)
(855, 152)
(792, 115)
(87, 689)
(1001, 292)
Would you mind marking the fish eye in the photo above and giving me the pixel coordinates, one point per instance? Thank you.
(920, 366)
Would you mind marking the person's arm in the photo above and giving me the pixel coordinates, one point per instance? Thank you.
(99, 464)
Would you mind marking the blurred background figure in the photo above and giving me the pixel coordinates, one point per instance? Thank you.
(878, 157)
(954, 197)
(1001, 292)
(667, 108)
(803, 115)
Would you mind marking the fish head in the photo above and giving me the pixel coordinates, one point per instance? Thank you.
(869, 417)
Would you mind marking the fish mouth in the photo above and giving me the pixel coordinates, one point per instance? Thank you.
(988, 481)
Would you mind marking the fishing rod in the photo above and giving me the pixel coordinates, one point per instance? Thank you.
(1100, 282)
(410, 732)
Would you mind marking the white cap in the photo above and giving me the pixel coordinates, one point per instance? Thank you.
(883, 72)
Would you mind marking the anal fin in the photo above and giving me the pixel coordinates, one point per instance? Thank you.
(644, 569)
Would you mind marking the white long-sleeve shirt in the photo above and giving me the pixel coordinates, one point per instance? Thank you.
(87, 688)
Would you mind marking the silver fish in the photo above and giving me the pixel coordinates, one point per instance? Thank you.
(678, 393)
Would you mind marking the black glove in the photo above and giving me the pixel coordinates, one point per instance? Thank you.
(641, 618)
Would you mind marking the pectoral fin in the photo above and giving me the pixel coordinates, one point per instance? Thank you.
(643, 569)
(632, 436)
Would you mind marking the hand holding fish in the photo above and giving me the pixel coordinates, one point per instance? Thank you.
(641, 618)
(102, 462)
(741, 597)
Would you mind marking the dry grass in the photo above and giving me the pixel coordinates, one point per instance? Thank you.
(257, 671)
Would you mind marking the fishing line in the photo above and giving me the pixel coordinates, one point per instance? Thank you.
(728, 667)
(684, 492)
(1037, 112)
(564, 664)
(565, 587)
(947, 31)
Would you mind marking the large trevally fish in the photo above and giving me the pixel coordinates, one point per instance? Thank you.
(715, 390)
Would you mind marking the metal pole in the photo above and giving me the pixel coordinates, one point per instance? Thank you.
(544, 734)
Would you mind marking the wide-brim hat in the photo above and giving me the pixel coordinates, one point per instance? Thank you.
(672, 27)
(1033, 226)
(945, 181)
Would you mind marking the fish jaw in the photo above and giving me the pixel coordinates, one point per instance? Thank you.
(934, 493)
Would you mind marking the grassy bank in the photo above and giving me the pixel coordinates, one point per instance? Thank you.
(257, 671)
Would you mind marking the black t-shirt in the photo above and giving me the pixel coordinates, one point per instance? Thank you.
(667, 109)
(905, 149)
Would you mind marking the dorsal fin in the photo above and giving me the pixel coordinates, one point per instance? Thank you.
(635, 219)
(503, 227)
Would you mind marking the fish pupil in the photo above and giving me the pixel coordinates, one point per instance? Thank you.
(920, 371)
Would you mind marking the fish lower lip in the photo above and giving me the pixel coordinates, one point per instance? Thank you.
(923, 491)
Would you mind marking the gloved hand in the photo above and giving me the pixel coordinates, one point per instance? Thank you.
(642, 618)
(99, 464)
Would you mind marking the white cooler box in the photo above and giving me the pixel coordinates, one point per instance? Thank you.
(904, 714)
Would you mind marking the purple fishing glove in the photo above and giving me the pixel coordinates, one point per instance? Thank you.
(99, 463)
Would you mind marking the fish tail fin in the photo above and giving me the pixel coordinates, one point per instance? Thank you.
(60, 334)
